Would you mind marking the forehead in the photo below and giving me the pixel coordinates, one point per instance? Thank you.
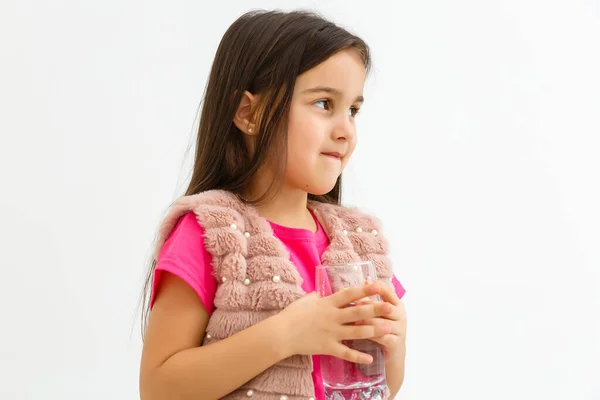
(344, 71)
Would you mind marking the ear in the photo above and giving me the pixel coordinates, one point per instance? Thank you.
(244, 115)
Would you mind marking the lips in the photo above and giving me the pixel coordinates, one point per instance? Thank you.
(337, 156)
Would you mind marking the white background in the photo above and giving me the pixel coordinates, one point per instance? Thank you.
(479, 148)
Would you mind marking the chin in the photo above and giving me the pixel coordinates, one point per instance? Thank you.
(321, 189)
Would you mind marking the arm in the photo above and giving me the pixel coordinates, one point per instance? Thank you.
(395, 343)
(395, 365)
(394, 371)
(174, 366)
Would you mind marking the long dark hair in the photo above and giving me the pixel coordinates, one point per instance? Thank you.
(262, 52)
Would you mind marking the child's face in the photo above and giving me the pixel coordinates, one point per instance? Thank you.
(321, 129)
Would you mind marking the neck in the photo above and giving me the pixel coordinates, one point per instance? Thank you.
(288, 207)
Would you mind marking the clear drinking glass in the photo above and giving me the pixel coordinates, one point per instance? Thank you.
(344, 380)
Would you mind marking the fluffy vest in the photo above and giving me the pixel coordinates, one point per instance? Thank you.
(256, 278)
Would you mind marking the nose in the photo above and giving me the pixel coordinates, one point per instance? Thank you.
(344, 129)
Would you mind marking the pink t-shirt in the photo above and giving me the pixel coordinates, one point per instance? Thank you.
(185, 256)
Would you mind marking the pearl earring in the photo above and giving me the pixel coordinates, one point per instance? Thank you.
(250, 130)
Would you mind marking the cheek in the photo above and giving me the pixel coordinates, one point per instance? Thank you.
(351, 147)
(297, 154)
(352, 144)
(305, 135)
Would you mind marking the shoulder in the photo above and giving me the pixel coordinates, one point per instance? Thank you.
(211, 208)
(188, 225)
(185, 237)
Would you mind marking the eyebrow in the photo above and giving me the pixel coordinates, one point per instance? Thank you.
(327, 89)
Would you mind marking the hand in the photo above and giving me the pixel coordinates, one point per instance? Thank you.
(315, 325)
(393, 342)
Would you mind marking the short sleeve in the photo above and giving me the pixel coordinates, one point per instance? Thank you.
(185, 256)
(400, 291)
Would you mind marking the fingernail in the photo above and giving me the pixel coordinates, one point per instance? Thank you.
(366, 359)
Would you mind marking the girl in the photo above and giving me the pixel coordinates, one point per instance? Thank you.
(234, 312)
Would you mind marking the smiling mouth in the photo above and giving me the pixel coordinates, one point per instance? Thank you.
(336, 156)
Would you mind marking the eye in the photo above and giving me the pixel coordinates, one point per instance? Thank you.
(354, 111)
(326, 104)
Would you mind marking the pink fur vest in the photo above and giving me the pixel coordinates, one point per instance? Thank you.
(257, 280)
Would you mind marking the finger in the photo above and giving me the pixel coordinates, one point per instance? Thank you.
(347, 296)
(368, 321)
(363, 301)
(373, 321)
(348, 354)
(388, 341)
(357, 313)
(397, 313)
(355, 332)
(388, 293)
(396, 328)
